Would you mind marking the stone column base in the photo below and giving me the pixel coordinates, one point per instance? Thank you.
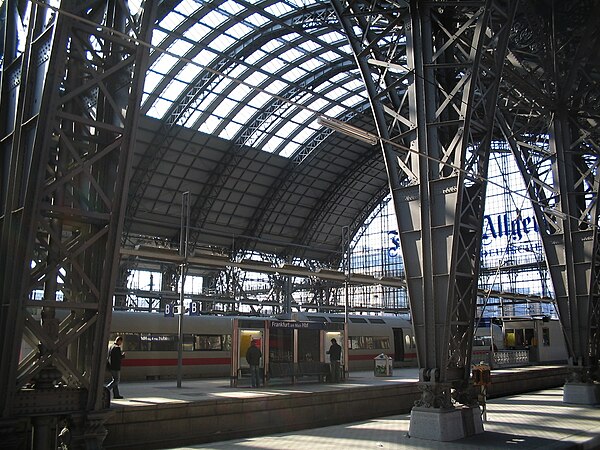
(445, 425)
(581, 393)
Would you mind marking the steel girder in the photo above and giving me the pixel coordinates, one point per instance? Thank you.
(432, 71)
(554, 138)
(71, 88)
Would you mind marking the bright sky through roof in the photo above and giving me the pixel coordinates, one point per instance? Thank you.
(267, 79)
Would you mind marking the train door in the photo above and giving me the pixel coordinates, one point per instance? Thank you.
(246, 336)
(339, 337)
(398, 344)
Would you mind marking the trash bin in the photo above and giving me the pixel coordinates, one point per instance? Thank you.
(383, 366)
(481, 375)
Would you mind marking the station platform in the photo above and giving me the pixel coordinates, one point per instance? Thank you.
(209, 414)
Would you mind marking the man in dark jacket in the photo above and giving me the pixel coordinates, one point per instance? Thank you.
(115, 355)
(335, 354)
(253, 356)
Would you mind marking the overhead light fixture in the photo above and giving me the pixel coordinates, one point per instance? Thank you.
(348, 130)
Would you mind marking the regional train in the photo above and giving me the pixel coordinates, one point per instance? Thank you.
(150, 342)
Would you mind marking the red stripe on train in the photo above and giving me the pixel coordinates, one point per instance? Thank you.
(145, 362)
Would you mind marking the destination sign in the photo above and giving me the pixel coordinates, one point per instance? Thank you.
(297, 325)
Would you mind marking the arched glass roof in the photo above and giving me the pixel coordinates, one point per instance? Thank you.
(229, 113)
(257, 73)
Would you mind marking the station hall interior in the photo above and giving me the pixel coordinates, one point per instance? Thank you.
(416, 179)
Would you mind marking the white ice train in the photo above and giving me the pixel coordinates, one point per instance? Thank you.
(150, 343)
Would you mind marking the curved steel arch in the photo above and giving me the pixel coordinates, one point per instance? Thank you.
(437, 192)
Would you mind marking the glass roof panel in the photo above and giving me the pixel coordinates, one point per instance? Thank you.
(291, 55)
(193, 117)
(333, 37)
(157, 37)
(272, 144)
(179, 47)
(289, 149)
(164, 63)
(197, 31)
(240, 92)
(204, 58)
(255, 56)
(209, 125)
(172, 20)
(309, 46)
(257, 19)
(259, 100)
(272, 46)
(152, 80)
(214, 18)
(279, 9)
(276, 87)
(173, 90)
(232, 7)
(159, 107)
(187, 8)
(312, 64)
(318, 104)
(295, 73)
(273, 66)
(222, 43)
(245, 114)
(231, 130)
(224, 107)
(189, 72)
(256, 78)
(239, 30)
(240, 87)
(351, 102)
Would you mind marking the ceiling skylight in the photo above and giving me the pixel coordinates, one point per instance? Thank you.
(251, 71)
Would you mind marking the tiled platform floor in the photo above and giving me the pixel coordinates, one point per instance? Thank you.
(537, 420)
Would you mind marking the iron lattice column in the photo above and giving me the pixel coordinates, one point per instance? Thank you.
(432, 72)
(71, 88)
(550, 119)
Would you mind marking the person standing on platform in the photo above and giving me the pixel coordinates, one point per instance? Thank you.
(253, 356)
(335, 354)
(115, 355)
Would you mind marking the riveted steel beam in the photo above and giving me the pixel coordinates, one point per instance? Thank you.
(70, 96)
(432, 71)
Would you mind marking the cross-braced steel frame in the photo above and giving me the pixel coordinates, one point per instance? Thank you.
(71, 89)
(432, 70)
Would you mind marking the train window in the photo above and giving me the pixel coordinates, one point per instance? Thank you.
(188, 342)
(158, 342)
(369, 342)
(529, 337)
(376, 320)
(337, 319)
(545, 337)
(131, 341)
(519, 337)
(358, 320)
(409, 341)
(212, 342)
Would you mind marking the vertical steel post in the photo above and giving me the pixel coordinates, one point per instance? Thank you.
(183, 251)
